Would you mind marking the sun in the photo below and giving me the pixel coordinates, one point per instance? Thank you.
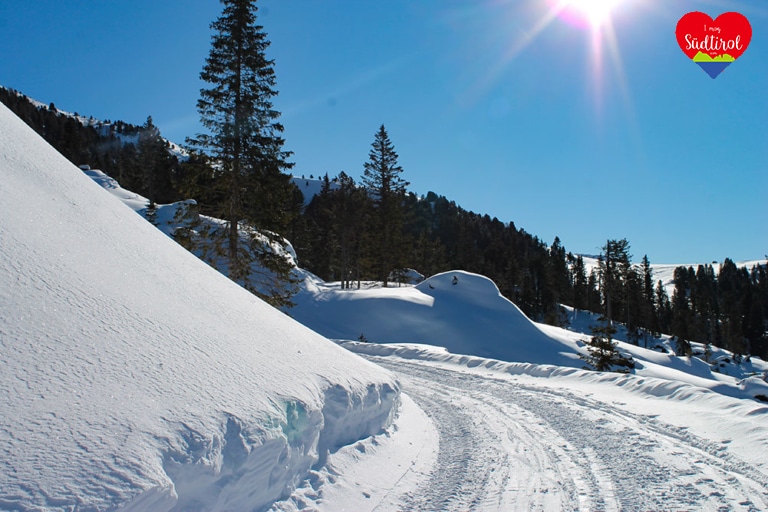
(595, 13)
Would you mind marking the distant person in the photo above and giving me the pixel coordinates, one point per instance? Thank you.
(455, 280)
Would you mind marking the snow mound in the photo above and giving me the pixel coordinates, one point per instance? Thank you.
(469, 317)
(136, 376)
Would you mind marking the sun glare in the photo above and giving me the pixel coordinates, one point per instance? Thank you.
(593, 12)
(597, 20)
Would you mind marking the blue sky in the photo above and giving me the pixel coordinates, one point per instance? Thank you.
(493, 103)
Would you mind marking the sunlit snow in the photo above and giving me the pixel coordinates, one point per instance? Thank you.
(136, 376)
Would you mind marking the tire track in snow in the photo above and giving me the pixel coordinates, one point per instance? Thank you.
(489, 456)
(507, 446)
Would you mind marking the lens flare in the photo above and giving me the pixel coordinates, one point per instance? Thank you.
(587, 13)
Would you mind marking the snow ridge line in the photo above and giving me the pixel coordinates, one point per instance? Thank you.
(648, 386)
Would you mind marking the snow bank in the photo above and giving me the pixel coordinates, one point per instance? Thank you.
(469, 317)
(135, 375)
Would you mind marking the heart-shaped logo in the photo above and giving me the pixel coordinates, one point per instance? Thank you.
(713, 44)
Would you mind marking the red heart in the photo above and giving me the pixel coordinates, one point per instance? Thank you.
(730, 33)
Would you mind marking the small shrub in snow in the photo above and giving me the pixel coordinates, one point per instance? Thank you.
(603, 356)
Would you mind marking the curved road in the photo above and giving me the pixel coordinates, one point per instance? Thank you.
(506, 446)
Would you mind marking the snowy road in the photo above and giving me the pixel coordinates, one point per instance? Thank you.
(506, 445)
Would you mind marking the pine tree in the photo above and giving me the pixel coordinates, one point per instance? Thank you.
(349, 209)
(560, 282)
(580, 284)
(244, 138)
(663, 319)
(602, 353)
(387, 189)
(156, 164)
(648, 308)
(732, 282)
(614, 269)
(681, 310)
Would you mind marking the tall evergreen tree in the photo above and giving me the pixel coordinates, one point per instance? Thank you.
(349, 209)
(157, 165)
(681, 310)
(663, 320)
(646, 273)
(732, 283)
(580, 284)
(387, 189)
(244, 136)
(614, 270)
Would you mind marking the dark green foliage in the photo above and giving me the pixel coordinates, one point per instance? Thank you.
(145, 167)
(603, 356)
(442, 236)
(243, 183)
(662, 320)
(387, 192)
(615, 272)
(728, 309)
(330, 241)
(157, 165)
(580, 283)
(683, 347)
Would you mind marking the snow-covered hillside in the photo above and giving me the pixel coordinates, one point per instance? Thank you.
(471, 318)
(134, 375)
(665, 272)
(495, 414)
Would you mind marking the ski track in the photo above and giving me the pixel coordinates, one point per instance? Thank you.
(511, 446)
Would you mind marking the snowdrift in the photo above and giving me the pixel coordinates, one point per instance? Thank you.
(471, 320)
(134, 375)
(469, 317)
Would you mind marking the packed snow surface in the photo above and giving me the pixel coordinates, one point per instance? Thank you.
(520, 437)
(135, 375)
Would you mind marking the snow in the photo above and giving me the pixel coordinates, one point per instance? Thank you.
(472, 318)
(135, 375)
(516, 436)
(469, 317)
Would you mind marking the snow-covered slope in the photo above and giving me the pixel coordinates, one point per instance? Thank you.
(135, 375)
(471, 318)
(468, 317)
